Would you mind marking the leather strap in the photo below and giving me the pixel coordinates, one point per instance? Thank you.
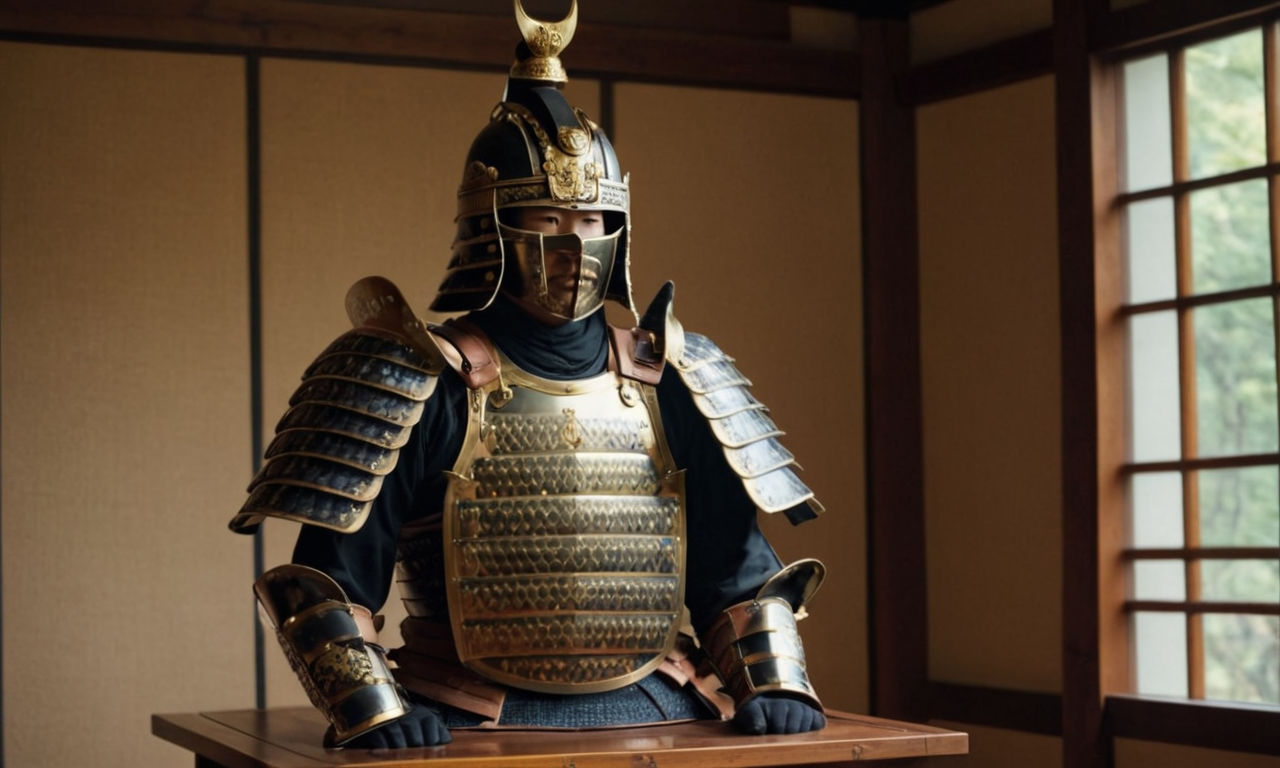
(367, 622)
(473, 360)
(680, 667)
(636, 357)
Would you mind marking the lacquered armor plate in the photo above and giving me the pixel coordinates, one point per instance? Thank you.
(564, 535)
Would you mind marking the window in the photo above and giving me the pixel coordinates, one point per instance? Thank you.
(1201, 210)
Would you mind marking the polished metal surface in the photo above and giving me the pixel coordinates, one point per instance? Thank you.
(344, 677)
(355, 408)
(563, 535)
(744, 430)
(756, 648)
(545, 39)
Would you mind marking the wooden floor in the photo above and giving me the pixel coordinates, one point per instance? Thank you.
(290, 738)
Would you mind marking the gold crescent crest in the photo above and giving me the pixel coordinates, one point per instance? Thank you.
(545, 39)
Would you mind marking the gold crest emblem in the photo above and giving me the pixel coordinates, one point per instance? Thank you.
(573, 140)
(571, 432)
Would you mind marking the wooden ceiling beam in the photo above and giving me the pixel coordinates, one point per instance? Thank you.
(768, 19)
(436, 38)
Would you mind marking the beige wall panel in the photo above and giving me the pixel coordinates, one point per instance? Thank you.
(999, 748)
(125, 399)
(360, 169)
(990, 369)
(1131, 753)
(749, 202)
(957, 26)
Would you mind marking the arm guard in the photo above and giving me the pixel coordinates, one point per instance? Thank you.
(345, 677)
(754, 645)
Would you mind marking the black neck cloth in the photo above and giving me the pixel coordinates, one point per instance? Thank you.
(574, 350)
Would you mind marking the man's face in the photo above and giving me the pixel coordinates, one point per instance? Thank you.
(562, 266)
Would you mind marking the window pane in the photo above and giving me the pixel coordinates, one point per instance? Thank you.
(1155, 419)
(1159, 580)
(1148, 153)
(1230, 237)
(1250, 581)
(1236, 378)
(1157, 509)
(1161, 653)
(1242, 657)
(1240, 507)
(1152, 269)
(1226, 125)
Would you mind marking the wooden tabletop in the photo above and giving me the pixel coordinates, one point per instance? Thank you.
(290, 738)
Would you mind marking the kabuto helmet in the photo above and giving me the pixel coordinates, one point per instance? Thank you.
(538, 150)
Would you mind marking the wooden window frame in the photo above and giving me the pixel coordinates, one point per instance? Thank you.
(1179, 191)
(1097, 708)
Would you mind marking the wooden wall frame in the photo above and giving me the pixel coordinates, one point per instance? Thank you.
(898, 639)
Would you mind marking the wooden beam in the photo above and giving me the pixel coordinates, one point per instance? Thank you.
(435, 38)
(1026, 711)
(734, 18)
(1001, 63)
(1235, 726)
(1149, 22)
(895, 464)
(1092, 346)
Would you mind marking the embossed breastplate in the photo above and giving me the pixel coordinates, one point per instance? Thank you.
(564, 534)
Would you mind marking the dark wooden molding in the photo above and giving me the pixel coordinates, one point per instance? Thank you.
(1002, 63)
(1213, 462)
(1212, 725)
(433, 38)
(1084, 103)
(1203, 553)
(737, 18)
(1150, 24)
(1027, 711)
(894, 438)
(1130, 29)
(253, 248)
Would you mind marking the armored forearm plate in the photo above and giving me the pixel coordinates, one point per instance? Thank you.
(345, 677)
(742, 425)
(755, 646)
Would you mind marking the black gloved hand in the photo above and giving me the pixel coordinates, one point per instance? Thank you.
(419, 727)
(774, 713)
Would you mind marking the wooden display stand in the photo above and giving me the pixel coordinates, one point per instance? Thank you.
(290, 738)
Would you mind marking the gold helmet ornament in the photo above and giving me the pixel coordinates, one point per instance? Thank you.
(538, 151)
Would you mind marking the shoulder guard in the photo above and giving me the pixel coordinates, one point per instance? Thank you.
(346, 422)
(742, 425)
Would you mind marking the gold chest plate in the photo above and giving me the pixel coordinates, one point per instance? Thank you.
(564, 535)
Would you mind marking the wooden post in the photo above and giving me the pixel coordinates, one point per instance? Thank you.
(895, 465)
